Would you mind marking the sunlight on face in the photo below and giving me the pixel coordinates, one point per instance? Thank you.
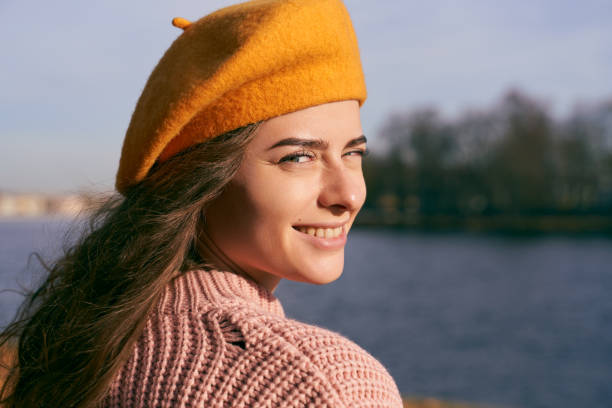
(289, 208)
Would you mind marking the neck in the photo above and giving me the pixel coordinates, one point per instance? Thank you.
(215, 257)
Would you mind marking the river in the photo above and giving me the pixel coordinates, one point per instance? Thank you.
(507, 321)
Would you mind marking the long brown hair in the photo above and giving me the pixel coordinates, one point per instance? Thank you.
(74, 332)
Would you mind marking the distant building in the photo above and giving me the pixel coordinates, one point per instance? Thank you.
(17, 205)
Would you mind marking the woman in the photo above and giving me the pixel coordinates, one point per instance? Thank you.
(241, 166)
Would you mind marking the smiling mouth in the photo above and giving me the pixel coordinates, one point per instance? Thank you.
(322, 232)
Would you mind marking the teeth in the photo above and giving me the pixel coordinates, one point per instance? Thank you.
(321, 232)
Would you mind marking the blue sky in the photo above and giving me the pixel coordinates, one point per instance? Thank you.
(71, 71)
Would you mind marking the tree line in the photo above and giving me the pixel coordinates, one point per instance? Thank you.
(513, 158)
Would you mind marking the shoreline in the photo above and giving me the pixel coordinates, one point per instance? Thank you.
(572, 224)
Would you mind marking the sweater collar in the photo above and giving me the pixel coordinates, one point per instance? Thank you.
(200, 289)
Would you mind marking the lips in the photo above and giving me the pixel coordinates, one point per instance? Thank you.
(321, 232)
(329, 236)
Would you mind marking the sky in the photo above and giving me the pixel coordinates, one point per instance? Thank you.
(72, 71)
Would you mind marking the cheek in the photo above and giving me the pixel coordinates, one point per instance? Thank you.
(250, 218)
(278, 206)
(279, 200)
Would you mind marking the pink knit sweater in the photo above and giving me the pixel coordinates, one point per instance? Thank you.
(217, 339)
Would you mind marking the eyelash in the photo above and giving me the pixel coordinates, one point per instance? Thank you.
(301, 153)
(304, 153)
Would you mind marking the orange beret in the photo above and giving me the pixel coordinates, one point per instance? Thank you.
(239, 65)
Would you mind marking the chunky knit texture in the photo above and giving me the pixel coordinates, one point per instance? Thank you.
(217, 339)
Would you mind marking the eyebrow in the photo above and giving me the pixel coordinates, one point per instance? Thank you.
(318, 144)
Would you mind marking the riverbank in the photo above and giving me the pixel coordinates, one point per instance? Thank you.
(412, 402)
(502, 223)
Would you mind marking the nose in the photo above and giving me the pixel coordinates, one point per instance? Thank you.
(342, 189)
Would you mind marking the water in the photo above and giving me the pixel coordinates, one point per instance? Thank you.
(505, 321)
(18, 239)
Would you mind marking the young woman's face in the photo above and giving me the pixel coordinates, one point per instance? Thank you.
(287, 212)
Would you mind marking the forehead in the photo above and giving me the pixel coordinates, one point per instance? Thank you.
(335, 121)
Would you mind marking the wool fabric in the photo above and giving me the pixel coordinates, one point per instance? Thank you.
(240, 65)
(217, 339)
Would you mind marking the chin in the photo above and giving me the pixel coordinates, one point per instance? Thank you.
(322, 274)
(328, 278)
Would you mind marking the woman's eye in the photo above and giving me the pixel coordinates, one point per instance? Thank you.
(358, 152)
(299, 157)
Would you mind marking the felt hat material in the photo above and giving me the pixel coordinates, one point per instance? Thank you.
(239, 65)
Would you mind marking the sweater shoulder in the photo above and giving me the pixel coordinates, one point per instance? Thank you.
(231, 354)
(358, 378)
(346, 372)
(354, 375)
